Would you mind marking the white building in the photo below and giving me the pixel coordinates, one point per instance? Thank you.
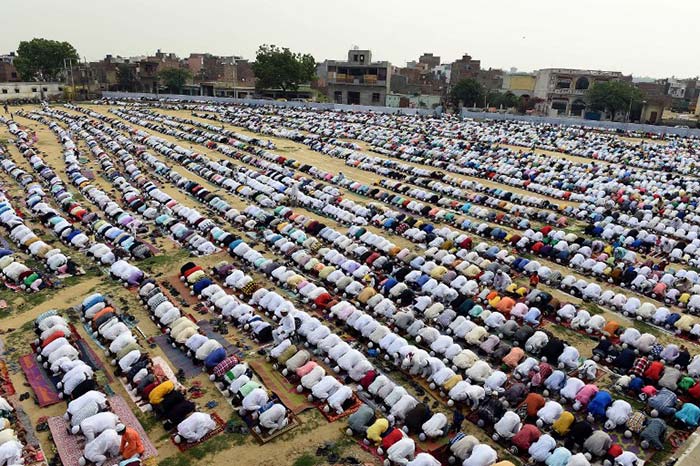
(563, 90)
(30, 90)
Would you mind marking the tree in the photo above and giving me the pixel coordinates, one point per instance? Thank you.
(526, 103)
(43, 59)
(469, 92)
(175, 78)
(502, 100)
(280, 68)
(613, 96)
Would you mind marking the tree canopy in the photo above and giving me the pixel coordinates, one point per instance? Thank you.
(469, 92)
(502, 99)
(613, 96)
(43, 59)
(280, 68)
(175, 78)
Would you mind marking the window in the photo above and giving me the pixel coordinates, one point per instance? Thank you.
(362, 58)
(45, 89)
(60, 88)
(14, 75)
(338, 97)
(560, 105)
(33, 89)
(582, 83)
(563, 84)
(375, 97)
(16, 90)
(354, 57)
(4, 91)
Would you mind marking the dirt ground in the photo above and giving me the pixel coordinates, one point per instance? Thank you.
(299, 446)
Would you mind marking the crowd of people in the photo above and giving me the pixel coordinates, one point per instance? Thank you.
(451, 311)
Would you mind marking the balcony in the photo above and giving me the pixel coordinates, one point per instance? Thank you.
(569, 91)
(366, 80)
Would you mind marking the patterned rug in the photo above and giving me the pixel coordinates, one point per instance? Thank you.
(220, 426)
(6, 387)
(70, 447)
(43, 386)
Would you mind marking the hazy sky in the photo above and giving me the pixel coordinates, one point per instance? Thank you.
(642, 37)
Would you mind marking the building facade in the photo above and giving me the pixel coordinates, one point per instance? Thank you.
(359, 80)
(520, 84)
(563, 90)
(30, 91)
(8, 72)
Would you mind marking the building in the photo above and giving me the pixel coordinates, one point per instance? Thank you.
(469, 68)
(655, 102)
(520, 84)
(563, 90)
(429, 60)
(359, 80)
(8, 72)
(413, 101)
(206, 67)
(30, 91)
(465, 67)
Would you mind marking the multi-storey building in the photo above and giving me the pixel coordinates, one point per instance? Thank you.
(357, 81)
(563, 90)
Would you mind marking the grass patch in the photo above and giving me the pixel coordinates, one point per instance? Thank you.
(306, 460)
(593, 308)
(210, 447)
(161, 261)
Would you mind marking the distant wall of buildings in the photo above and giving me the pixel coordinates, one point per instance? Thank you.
(229, 100)
(695, 132)
(30, 90)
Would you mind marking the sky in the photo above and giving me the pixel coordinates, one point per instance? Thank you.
(639, 37)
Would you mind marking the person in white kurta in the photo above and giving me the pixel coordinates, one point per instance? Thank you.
(95, 425)
(11, 453)
(274, 418)
(74, 377)
(93, 396)
(195, 427)
(104, 446)
(482, 455)
(402, 451)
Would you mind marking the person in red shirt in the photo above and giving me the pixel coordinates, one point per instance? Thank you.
(534, 280)
(533, 403)
(524, 438)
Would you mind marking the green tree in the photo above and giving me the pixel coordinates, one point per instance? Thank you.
(613, 96)
(43, 59)
(526, 104)
(175, 78)
(280, 68)
(469, 92)
(502, 99)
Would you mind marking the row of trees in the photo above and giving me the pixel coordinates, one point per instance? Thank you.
(612, 97)
(274, 67)
(469, 92)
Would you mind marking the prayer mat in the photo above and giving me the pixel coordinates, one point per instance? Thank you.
(285, 391)
(6, 387)
(220, 426)
(177, 358)
(42, 384)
